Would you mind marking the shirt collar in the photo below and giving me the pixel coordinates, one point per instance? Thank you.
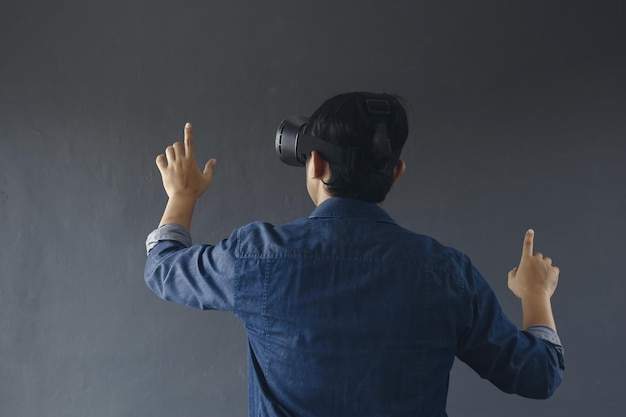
(351, 208)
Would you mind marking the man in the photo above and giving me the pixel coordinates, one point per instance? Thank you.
(347, 313)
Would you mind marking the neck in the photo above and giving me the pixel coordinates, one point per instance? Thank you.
(319, 197)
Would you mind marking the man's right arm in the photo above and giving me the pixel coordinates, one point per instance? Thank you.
(529, 362)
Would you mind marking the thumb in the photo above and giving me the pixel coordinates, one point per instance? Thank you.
(209, 166)
(513, 273)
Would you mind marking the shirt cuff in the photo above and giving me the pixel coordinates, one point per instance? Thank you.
(545, 333)
(171, 231)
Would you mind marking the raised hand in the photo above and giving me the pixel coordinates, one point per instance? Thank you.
(534, 282)
(180, 173)
(535, 274)
(183, 181)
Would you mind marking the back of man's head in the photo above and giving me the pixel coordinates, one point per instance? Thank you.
(376, 125)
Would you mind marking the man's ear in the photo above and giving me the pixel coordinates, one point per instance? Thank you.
(318, 166)
(398, 170)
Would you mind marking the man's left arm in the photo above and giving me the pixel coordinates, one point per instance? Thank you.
(200, 276)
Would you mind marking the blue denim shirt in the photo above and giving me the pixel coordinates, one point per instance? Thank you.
(349, 314)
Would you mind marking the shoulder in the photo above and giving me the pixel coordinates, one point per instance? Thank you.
(435, 251)
(261, 237)
(261, 229)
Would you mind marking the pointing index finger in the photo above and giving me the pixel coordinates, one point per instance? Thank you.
(188, 140)
(528, 243)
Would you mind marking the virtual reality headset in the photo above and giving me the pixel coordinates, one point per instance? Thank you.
(293, 146)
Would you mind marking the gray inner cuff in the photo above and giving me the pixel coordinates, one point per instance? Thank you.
(170, 231)
(545, 333)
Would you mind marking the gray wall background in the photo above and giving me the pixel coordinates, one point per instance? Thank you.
(518, 111)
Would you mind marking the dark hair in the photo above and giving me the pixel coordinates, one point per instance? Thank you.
(354, 120)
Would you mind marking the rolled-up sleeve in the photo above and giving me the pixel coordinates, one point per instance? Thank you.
(545, 333)
(198, 276)
(170, 231)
